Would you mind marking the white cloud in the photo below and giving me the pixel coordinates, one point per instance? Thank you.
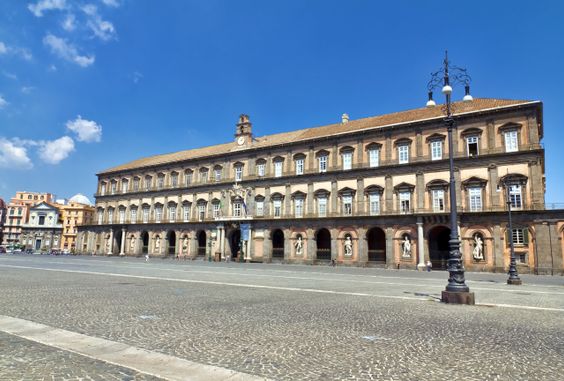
(53, 152)
(3, 48)
(46, 5)
(102, 29)
(27, 89)
(136, 76)
(13, 156)
(69, 23)
(87, 130)
(67, 51)
(111, 3)
(3, 102)
(9, 75)
(22, 52)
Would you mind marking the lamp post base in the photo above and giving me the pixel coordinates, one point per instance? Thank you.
(458, 297)
(514, 281)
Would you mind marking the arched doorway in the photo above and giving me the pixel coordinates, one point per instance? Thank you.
(438, 246)
(145, 239)
(278, 244)
(323, 239)
(235, 242)
(117, 243)
(171, 241)
(376, 245)
(202, 243)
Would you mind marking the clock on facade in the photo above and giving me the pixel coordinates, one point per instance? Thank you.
(241, 140)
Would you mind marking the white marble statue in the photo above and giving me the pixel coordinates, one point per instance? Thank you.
(158, 244)
(348, 246)
(132, 244)
(406, 247)
(478, 252)
(299, 245)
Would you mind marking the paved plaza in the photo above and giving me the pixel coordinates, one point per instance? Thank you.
(109, 318)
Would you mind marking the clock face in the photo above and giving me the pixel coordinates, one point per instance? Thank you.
(241, 140)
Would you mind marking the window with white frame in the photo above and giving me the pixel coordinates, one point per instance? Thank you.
(515, 196)
(114, 187)
(146, 211)
(100, 217)
(519, 236)
(475, 199)
(237, 208)
(158, 213)
(403, 153)
(347, 200)
(148, 183)
(436, 150)
(278, 168)
(472, 145)
(103, 189)
(259, 208)
(217, 174)
(216, 210)
(174, 180)
(300, 166)
(186, 212)
(122, 215)
(404, 199)
(133, 215)
(322, 206)
(347, 160)
(160, 182)
(124, 186)
(299, 207)
(438, 196)
(187, 178)
(201, 211)
(511, 144)
(277, 207)
(374, 200)
(204, 176)
(136, 184)
(374, 157)
(172, 213)
(110, 216)
(261, 167)
(239, 173)
(322, 163)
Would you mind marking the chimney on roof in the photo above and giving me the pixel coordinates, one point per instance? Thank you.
(345, 118)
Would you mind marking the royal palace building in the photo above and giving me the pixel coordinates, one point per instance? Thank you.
(372, 191)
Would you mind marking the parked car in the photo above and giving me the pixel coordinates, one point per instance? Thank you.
(55, 252)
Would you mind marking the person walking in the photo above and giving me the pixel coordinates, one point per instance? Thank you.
(147, 257)
(429, 266)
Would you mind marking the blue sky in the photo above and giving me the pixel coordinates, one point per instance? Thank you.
(87, 85)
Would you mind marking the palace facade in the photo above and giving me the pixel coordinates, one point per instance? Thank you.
(372, 191)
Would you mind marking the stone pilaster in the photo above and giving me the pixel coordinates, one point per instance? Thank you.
(288, 201)
(389, 194)
(420, 190)
(492, 186)
(390, 260)
(360, 204)
(333, 196)
(309, 199)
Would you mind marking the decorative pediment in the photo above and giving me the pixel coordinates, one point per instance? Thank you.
(471, 131)
(373, 145)
(513, 179)
(44, 206)
(474, 182)
(299, 156)
(322, 153)
(321, 193)
(437, 184)
(404, 187)
(261, 161)
(374, 189)
(402, 142)
(259, 197)
(509, 127)
(277, 159)
(298, 194)
(435, 137)
(276, 196)
(172, 203)
(346, 191)
(346, 149)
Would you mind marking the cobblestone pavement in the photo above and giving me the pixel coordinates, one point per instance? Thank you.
(29, 361)
(295, 322)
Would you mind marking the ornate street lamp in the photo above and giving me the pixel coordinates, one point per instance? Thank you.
(456, 290)
(513, 274)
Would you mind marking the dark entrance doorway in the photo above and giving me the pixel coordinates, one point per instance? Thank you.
(202, 243)
(235, 242)
(171, 240)
(376, 245)
(278, 244)
(117, 243)
(323, 239)
(145, 238)
(438, 247)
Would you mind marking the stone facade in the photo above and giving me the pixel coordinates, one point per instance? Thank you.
(372, 191)
(43, 231)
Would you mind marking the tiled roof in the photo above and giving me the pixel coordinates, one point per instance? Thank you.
(415, 115)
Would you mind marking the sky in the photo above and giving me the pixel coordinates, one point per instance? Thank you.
(86, 85)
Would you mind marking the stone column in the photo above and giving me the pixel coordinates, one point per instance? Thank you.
(309, 199)
(287, 244)
(390, 258)
(389, 194)
(266, 201)
(418, 143)
(492, 187)
(311, 245)
(362, 247)
(388, 149)
(311, 160)
(334, 157)
(267, 246)
(420, 245)
(334, 244)
(248, 248)
(457, 185)
(490, 136)
(288, 201)
(334, 191)
(289, 161)
(498, 249)
(533, 129)
(360, 203)
(420, 191)
(122, 248)
(111, 248)
(359, 153)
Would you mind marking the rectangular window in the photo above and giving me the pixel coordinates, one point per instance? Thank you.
(436, 150)
(472, 145)
(518, 236)
(187, 178)
(475, 196)
(515, 196)
(133, 213)
(277, 208)
(135, 185)
(204, 177)
(238, 173)
(278, 169)
(299, 207)
(404, 198)
(374, 199)
(174, 180)
(111, 216)
(114, 187)
(186, 213)
(438, 200)
(100, 217)
(374, 157)
(216, 210)
(158, 214)
(160, 182)
(237, 209)
(146, 214)
(299, 166)
(403, 154)
(347, 160)
(261, 169)
(511, 141)
(41, 220)
(172, 213)
(347, 205)
(124, 185)
(217, 175)
(322, 163)
(322, 206)
(122, 216)
(147, 183)
(259, 208)
(201, 212)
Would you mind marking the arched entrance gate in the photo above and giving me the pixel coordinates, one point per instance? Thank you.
(438, 246)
